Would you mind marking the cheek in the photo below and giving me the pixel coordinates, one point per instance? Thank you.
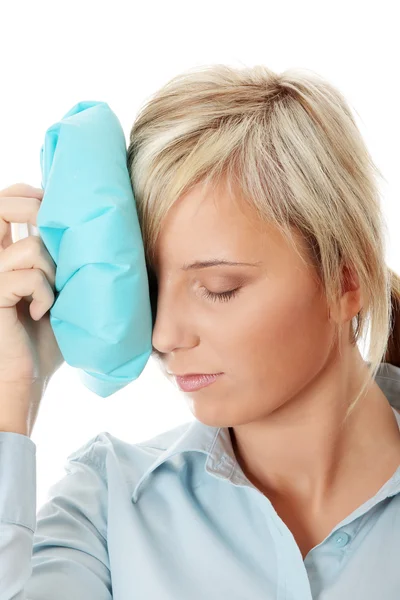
(277, 328)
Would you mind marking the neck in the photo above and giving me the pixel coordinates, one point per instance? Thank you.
(302, 450)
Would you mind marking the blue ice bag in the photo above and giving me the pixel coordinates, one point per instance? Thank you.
(102, 316)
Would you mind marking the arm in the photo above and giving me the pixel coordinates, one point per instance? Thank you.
(60, 553)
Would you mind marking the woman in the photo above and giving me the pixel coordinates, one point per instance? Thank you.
(286, 484)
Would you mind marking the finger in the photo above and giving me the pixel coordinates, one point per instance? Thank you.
(22, 189)
(28, 253)
(15, 285)
(17, 190)
(16, 209)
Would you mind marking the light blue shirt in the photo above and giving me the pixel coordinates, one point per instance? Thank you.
(175, 518)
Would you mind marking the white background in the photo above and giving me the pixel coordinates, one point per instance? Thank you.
(55, 54)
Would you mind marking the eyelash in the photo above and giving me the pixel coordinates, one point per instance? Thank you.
(223, 297)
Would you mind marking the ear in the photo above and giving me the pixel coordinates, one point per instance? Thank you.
(351, 287)
(351, 300)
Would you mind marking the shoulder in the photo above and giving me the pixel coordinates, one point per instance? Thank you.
(106, 451)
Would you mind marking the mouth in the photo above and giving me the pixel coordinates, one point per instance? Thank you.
(193, 382)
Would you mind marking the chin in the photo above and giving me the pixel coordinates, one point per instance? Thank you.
(214, 417)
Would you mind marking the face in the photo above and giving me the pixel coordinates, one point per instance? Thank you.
(268, 332)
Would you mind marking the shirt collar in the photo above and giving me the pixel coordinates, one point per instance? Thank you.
(216, 444)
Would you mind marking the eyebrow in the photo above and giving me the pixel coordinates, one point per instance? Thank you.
(215, 262)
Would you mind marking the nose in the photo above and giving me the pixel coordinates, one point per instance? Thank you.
(173, 324)
(163, 339)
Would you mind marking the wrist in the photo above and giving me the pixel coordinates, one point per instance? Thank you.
(14, 428)
(19, 405)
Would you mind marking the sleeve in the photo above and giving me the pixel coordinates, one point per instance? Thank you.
(60, 553)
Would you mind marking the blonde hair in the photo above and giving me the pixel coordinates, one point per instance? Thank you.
(289, 144)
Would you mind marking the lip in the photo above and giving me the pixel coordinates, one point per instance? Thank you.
(191, 383)
(192, 374)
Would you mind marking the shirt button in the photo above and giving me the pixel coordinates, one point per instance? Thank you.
(341, 539)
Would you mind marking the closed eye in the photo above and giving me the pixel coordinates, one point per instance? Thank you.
(222, 297)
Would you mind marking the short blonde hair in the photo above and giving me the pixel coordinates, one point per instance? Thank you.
(288, 143)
